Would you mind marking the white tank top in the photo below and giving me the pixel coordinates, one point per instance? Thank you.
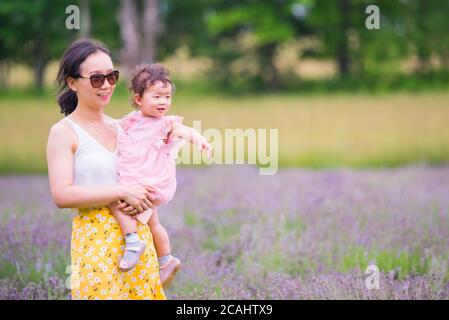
(93, 164)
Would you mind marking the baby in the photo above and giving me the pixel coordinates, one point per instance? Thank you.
(147, 148)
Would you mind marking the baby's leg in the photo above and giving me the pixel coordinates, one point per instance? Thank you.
(134, 246)
(160, 235)
(168, 265)
(127, 223)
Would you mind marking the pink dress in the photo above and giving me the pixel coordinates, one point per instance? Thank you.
(147, 155)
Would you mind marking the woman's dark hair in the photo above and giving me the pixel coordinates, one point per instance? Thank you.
(69, 66)
(145, 75)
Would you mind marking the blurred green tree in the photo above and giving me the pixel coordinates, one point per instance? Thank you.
(244, 36)
(33, 33)
(408, 28)
(241, 36)
(426, 24)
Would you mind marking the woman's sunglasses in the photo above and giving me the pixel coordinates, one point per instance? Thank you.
(97, 80)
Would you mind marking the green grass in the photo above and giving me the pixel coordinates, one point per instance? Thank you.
(336, 130)
(222, 233)
(402, 262)
(59, 261)
(190, 219)
(278, 261)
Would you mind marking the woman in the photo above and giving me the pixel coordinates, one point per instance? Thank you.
(81, 156)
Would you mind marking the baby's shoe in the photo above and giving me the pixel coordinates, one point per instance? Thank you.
(132, 255)
(168, 271)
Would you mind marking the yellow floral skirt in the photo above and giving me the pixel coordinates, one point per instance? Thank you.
(97, 246)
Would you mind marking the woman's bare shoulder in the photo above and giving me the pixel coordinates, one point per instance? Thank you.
(61, 127)
(63, 132)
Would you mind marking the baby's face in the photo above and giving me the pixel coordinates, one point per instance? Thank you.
(156, 100)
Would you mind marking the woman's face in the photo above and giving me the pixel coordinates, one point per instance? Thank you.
(97, 63)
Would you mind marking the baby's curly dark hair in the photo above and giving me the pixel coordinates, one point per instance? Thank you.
(145, 75)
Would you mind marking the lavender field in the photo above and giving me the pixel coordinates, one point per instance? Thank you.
(299, 234)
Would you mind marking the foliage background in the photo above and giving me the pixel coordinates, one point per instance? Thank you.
(363, 143)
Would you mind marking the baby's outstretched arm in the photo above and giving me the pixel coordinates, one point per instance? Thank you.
(193, 136)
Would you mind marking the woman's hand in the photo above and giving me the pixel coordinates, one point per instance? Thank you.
(136, 199)
(123, 207)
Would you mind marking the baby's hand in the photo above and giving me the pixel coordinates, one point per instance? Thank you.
(205, 146)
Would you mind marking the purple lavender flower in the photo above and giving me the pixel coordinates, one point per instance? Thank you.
(299, 234)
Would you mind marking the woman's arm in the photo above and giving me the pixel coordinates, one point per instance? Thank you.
(61, 146)
(191, 135)
(60, 150)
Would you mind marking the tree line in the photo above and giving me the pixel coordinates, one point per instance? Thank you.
(233, 33)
